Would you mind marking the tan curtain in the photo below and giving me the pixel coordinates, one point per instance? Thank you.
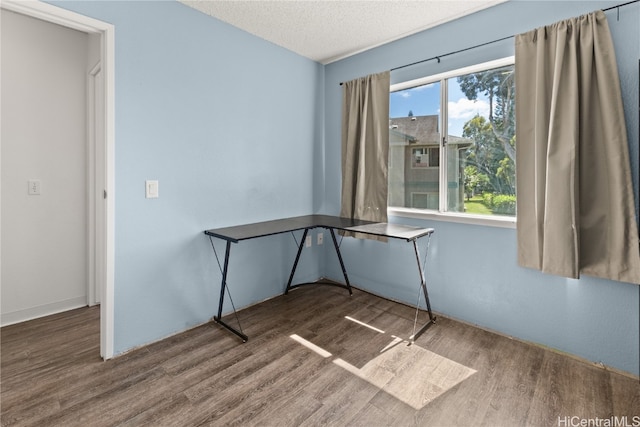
(365, 147)
(576, 211)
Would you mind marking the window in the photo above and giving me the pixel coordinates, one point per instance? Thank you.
(425, 157)
(470, 167)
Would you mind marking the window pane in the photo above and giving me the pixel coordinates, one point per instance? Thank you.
(481, 143)
(478, 161)
(414, 138)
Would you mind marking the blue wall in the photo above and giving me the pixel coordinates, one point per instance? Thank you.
(238, 130)
(472, 270)
(229, 124)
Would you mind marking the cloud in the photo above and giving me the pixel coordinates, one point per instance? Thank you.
(407, 92)
(466, 109)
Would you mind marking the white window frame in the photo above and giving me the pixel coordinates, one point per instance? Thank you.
(441, 215)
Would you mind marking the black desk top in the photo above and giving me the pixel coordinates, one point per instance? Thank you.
(395, 231)
(268, 228)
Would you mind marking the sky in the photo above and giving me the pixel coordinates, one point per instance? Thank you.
(425, 100)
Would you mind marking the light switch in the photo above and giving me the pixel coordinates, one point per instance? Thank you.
(151, 189)
(34, 187)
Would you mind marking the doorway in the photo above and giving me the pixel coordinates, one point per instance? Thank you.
(99, 159)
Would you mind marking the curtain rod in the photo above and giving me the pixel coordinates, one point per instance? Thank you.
(491, 42)
(454, 52)
(620, 5)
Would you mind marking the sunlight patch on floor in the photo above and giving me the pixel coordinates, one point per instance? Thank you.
(411, 373)
(311, 346)
(366, 325)
(408, 372)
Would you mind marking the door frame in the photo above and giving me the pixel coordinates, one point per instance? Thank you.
(104, 239)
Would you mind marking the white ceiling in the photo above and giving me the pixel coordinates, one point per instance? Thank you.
(329, 30)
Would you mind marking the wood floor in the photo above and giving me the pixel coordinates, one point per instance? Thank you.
(314, 357)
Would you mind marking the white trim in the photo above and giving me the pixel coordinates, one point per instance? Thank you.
(55, 15)
(107, 300)
(66, 18)
(443, 180)
(41, 311)
(92, 298)
(488, 220)
(503, 62)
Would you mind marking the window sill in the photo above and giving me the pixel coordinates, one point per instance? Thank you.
(490, 221)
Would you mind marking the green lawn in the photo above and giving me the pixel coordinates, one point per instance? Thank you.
(475, 206)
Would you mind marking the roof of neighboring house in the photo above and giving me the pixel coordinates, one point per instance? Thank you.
(420, 130)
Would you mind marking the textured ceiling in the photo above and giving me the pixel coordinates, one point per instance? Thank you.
(329, 30)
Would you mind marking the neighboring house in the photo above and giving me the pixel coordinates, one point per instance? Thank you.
(414, 163)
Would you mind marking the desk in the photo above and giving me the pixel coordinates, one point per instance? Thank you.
(236, 234)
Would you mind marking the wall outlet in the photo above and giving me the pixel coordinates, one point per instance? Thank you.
(320, 238)
(307, 242)
(34, 187)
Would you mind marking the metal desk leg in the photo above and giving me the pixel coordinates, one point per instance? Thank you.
(423, 285)
(223, 287)
(321, 281)
(344, 270)
(295, 264)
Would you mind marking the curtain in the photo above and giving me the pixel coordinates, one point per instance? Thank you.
(365, 147)
(575, 204)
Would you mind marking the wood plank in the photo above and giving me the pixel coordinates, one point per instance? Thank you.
(51, 373)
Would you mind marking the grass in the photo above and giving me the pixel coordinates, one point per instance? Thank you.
(476, 206)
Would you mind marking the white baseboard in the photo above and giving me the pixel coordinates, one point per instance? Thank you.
(19, 316)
